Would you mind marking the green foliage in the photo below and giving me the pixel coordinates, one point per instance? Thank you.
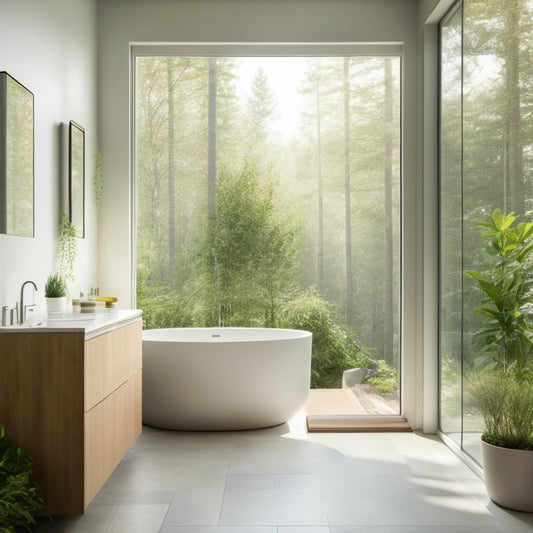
(171, 232)
(506, 403)
(165, 311)
(504, 392)
(385, 379)
(249, 253)
(68, 247)
(451, 390)
(55, 286)
(19, 493)
(335, 349)
(98, 180)
(508, 289)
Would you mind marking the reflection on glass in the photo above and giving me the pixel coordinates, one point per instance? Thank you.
(16, 158)
(77, 177)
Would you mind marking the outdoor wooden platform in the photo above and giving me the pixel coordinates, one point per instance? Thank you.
(339, 411)
(333, 401)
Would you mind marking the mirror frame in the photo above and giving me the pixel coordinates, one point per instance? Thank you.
(76, 177)
(14, 146)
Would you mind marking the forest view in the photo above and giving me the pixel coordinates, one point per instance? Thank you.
(486, 167)
(268, 194)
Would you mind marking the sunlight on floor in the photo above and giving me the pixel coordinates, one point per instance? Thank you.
(284, 480)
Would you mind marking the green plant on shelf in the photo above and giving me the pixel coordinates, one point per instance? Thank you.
(55, 286)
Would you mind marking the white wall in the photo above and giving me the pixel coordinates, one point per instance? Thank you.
(50, 47)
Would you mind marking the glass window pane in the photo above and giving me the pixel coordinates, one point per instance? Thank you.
(269, 195)
(486, 164)
(451, 227)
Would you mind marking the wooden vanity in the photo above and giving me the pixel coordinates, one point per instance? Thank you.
(70, 397)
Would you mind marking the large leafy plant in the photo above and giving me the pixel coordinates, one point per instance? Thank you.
(503, 392)
(19, 493)
(508, 288)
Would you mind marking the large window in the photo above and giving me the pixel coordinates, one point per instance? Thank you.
(268, 194)
(485, 164)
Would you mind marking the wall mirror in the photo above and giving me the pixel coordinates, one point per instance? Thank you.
(16, 158)
(76, 177)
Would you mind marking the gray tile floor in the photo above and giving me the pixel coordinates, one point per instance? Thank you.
(283, 480)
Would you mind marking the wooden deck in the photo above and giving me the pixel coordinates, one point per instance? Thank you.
(333, 402)
(339, 410)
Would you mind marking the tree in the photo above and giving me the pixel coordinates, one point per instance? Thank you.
(347, 195)
(314, 88)
(248, 265)
(513, 177)
(171, 177)
(212, 137)
(388, 269)
(260, 107)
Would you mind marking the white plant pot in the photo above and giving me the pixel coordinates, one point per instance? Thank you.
(509, 476)
(56, 305)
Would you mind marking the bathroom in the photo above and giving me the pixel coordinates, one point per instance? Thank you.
(74, 56)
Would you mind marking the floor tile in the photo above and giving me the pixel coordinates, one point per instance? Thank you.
(97, 518)
(284, 480)
(273, 507)
(138, 519)
(358, 529)
(198, 497)
(456, 529)
(218, 529)
(303, 529)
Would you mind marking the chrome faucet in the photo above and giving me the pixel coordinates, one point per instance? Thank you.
(22, 311)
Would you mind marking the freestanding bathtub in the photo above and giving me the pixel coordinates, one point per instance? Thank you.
(224, 378)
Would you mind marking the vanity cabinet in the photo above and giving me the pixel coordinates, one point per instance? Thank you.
(71, 398)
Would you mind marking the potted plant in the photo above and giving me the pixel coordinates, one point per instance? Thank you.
(55, 292)
(504, 391)
(19, 493)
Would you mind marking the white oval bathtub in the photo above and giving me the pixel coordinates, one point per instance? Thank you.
(224, 378)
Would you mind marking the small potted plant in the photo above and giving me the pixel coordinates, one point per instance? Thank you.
(503, 392)
(506, 403)
(55, 292)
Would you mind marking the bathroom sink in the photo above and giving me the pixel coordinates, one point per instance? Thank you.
(67, 317)
(57, 319)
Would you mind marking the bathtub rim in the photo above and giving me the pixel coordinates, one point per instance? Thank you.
(280, 334)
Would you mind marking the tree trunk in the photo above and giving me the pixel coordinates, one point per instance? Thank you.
(347, 196)
(513, 181)
(388, 297)
(171, 171)
(212, 138)
(320, 243)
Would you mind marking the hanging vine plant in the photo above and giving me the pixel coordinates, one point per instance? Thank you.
(98, 180)
(68, 247)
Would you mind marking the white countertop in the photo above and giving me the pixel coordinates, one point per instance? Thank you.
(92, 324)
